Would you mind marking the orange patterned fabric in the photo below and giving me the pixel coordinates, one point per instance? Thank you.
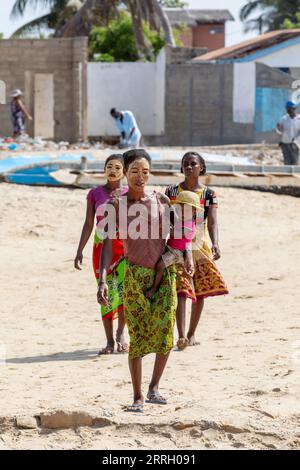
(207, 281)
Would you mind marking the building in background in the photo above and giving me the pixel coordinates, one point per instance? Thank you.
(203, 28)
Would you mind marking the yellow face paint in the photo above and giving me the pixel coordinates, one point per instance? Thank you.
(114, 170)
(138, 173)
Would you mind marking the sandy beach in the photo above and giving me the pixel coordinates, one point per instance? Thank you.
(238, 389)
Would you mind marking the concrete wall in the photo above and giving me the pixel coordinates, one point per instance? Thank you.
(138, 87)
(22, 59)
(273, 89)
(200, 104)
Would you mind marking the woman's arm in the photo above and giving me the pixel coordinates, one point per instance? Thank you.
(212, 225)
(105, 262)
(24, 109)
(85, 234)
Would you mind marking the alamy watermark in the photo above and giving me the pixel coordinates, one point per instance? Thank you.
(136, 221)
(296, 93)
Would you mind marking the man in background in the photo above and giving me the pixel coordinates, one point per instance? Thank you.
(289, 129)
(128, 128)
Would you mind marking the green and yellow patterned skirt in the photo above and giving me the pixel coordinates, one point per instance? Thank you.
(150, 324)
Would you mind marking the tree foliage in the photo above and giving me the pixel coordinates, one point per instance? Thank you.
(116, 42)
(271, 14)
(288, 24)
(72, 18)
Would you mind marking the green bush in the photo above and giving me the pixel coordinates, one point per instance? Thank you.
(116, 43)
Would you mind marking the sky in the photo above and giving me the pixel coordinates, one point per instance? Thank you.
(234, 31)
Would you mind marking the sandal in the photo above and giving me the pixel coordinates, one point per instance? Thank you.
(156, 398)
(106, 351)
(182, 343)
(122, 348)
(135, 408)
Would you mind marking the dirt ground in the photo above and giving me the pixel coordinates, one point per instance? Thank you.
(238, 389)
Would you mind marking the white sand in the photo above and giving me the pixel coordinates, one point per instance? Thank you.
(238, 389)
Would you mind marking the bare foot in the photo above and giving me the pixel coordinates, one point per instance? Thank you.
(192, 341)
(150, 293)
(182, 343)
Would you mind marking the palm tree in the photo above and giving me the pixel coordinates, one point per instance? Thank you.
(272, 14)
(71, 18)
(149, 10)
(60, 12)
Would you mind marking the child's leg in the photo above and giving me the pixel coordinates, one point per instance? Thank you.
(159, 272)
(122, 345)
(182, 342)
(180, 316)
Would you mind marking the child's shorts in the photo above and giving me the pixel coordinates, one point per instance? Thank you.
(172, 256)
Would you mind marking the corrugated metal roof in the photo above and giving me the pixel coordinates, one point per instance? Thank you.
(177, 16)
(250, 46)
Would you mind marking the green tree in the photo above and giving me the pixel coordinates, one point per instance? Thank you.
(60, 12)
(271, 14)
(116, 43)
(71, 18)
(288, 24)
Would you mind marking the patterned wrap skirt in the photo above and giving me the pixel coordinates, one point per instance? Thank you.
(207, 280)
(115, 278)
(150, 324)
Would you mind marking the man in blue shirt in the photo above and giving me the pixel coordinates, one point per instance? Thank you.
(128, 128)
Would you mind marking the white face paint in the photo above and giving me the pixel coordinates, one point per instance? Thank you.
(114, 170)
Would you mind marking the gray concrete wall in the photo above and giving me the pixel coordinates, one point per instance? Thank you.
(199, 105)
(66, 59)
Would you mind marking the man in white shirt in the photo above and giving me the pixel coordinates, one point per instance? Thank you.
(128, 128)
(289, 129)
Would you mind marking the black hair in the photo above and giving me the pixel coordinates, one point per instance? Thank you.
(131, 155)
(113, 111)
(200, 160)
(114, 156)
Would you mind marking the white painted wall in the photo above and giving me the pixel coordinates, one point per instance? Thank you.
(244, 85)
(137, 87)
(286, 57)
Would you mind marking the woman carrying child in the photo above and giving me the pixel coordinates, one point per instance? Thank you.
(207, 280)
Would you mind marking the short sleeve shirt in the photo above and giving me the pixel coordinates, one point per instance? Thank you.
(207, 197)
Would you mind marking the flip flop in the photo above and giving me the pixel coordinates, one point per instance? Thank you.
(156, 398)
(135, 408)
(122, 348)
(106, 351)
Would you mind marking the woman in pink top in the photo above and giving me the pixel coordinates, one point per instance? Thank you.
(96, 200)
(140, 219)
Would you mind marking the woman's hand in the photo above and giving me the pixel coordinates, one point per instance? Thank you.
(78, 260)
(102, 294)
(216, 252)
